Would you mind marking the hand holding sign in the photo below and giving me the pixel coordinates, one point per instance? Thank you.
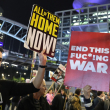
(42, 58)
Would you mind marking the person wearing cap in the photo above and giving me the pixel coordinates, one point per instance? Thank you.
(35, 101)
(11, 88)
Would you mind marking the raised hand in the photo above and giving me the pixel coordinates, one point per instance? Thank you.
(87, 90)
(42, 58)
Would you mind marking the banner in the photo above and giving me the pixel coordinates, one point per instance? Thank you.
(59, 74)
(42, 31)
(88, 61)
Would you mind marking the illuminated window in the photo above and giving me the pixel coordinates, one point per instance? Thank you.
(0, 14)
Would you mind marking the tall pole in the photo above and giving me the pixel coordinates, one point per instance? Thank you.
(33, 63)
(20, 77)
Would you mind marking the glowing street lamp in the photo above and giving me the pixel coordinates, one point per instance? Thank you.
(4, 54)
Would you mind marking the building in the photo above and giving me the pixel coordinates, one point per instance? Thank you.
(88, 19)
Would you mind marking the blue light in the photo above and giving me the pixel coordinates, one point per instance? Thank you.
(88, 3)
(1, 44)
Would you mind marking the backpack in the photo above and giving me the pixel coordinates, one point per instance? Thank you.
(71, 103)
(70, 106)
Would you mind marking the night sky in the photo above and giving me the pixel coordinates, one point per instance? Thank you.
(20, 10)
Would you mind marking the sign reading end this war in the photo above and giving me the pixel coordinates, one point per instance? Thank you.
(89, 61)
(42, 31)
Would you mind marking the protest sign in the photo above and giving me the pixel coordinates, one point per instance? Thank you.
(66, 87)
(42, 31)
(88, 61)
(59, 74)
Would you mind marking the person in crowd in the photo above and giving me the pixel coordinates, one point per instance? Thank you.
(49, 97)
(101, 105)
(75, 102)
(100, 96)
(65, 99)
(70, 97)
(11, 88)
(35, 101)
(15, 101)
(93, 94)
(58, 101)
(7, 106)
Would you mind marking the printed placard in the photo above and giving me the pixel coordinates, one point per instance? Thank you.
(89, 61)
(42, 31)
(59, 74)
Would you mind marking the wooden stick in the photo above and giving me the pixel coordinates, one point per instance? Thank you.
(50, 88)
(33, 63)
(59, 88)
(64, 104)
(31, 73)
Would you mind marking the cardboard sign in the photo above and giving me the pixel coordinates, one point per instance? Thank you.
(42, 31)
(59, 74)
(89, 61)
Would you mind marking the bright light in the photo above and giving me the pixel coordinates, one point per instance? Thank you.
(4, 54)
(17, 72)
(68, 32)
(76, 23)
(75, 17)
(5, 62)
(8, 75)
(2, 74)
(14, 65)
(24, 73)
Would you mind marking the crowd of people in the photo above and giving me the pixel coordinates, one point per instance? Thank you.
(31, 96)
(60, 100)
(57, 100)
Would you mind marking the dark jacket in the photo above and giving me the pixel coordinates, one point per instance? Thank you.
(58, 102)
(90, 106)
(11, 88)
(96, 101)
(16, 99)
(27, 103)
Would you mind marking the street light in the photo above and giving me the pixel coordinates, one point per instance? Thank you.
(4, 54)
(3, 76)
(24, 73)
(8, 75)
(17, 72)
